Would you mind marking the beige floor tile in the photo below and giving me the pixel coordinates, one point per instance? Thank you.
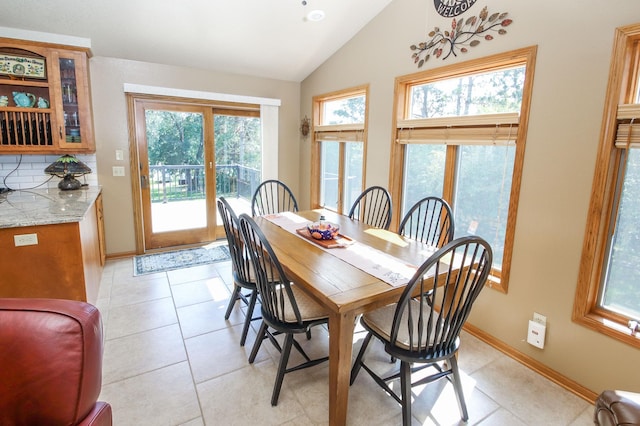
(252, 386)
(155, 350)
(132, 319)
(528, 395)
(299, 421)
(194, 422)
(139, 353)
(141, 289)
(180, 276)
(585, 418)
(219, 352)
(207, 290)
(502, 417)
(206, 317)
(161, 397)
(436, 403)
(475, 354)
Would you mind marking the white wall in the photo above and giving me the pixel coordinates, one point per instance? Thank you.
(574, 42)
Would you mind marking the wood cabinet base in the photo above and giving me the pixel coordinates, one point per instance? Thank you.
(64, 264)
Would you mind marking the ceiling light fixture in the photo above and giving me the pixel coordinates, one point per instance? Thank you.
(315, 15)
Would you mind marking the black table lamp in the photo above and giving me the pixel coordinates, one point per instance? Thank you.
(68, 167)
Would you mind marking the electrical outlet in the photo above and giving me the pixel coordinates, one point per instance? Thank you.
(539, 318)
(25, 240)
(118, 171)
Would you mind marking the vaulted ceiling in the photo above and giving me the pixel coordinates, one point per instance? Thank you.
(265, 38)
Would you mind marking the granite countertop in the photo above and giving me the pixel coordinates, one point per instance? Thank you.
(45, 206)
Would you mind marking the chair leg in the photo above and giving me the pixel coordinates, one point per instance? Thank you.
(232, 301)
(299, 348)
(282, 367)
(457, 384)
(249, 317)
(259, 338)
(358, 362)
(405, 389)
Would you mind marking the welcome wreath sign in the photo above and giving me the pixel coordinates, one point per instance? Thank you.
(451, 8)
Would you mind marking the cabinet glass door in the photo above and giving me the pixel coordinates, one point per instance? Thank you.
(75, 128)
(71, 115)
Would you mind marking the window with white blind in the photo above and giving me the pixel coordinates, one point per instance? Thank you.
(460, 135)
(608, 291)
(339, 141)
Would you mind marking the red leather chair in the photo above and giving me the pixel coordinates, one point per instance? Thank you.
(617, 408)
(51, 363)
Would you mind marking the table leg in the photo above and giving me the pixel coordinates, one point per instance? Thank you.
(341, 326)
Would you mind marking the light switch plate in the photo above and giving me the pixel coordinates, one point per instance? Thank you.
(118, 171)
(536, 333)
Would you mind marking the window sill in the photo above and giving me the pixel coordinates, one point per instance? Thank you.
(610, 328)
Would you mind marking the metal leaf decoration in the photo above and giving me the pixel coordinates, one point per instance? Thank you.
(462, 35)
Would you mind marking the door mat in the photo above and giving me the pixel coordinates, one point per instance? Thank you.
(170, 260)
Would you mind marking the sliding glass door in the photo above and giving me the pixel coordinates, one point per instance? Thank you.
(186, 155)
(176, 185)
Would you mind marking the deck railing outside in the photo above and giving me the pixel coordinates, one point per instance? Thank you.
(186, 182)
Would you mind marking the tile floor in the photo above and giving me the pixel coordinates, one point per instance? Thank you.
(171, 359)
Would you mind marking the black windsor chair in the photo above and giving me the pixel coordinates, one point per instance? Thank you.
(414, 332)
(241, 268)
(373, 207)
(430, 221)
(286, 309)
(273, 196)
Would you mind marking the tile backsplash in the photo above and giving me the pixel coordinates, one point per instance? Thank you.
(27, 171)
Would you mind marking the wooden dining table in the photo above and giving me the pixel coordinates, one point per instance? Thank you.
(345, 290)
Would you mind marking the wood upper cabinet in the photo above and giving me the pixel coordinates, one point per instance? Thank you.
(52, 112)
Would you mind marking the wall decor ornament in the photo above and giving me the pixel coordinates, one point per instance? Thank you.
(305, 126)
(464, 33)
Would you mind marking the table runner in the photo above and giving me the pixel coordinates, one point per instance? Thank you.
(381, 265)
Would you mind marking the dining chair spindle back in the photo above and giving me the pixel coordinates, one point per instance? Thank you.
(430, 221)
(422, 329)
(286, 309)
(273, 196)
(242, 273)
(373, 207)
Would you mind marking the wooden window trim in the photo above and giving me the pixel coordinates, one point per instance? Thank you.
(525, 56)
(621, 89)
(349, 132)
